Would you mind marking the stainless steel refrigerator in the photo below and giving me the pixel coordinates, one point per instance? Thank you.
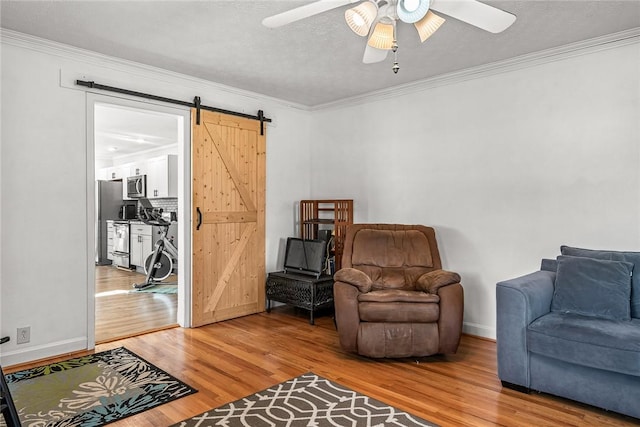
(108, 203)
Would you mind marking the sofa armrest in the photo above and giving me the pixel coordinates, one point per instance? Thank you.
(519, 301)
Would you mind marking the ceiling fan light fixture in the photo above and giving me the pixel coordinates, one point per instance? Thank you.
(428, 25)
(382, 36)
(411, 11)
(360, 18)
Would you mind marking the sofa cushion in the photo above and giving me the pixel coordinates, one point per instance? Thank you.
(593, 287)
(588, 341)
(632, 257)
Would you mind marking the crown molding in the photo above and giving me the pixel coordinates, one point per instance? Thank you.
(610, 41)
(584, 47)
(26, 41)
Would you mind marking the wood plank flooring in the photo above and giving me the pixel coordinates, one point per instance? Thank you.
(232, 359)
(122, 314)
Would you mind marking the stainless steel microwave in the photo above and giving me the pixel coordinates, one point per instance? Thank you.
(137, 186)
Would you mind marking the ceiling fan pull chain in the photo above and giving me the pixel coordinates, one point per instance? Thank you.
(394, 48)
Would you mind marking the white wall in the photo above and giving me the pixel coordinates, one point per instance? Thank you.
(506, 167)
(44, 262)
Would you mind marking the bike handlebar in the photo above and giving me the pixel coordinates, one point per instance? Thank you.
(149, 217)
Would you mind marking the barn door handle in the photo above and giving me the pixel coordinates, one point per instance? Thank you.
(199, 218)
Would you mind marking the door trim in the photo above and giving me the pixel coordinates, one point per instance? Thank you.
(184, 203)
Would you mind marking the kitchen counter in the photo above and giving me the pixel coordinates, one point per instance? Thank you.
(138, 222)
(172, 233)
(135, 221)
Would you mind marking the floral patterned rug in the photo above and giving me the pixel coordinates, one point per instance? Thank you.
(92, 390)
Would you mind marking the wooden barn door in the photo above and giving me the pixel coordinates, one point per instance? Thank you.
(229, 175)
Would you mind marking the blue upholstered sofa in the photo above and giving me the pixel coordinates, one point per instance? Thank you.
(572, 329)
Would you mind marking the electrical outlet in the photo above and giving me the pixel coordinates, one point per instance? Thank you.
(24, 335)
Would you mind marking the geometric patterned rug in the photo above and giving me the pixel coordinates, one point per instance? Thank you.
(92, 390)
(307, 400)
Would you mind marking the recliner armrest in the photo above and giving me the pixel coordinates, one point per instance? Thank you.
(432, 281)
(355, 278)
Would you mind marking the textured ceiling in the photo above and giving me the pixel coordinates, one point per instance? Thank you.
(310, 62)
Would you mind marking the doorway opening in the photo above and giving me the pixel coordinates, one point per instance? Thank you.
(140, 154)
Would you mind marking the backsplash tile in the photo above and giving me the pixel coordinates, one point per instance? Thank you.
(167, 205)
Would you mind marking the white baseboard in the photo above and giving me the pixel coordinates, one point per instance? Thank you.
(30, 354)
(476, 329)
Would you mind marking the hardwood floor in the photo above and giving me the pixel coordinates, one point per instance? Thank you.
(232, 359)
(120, 313)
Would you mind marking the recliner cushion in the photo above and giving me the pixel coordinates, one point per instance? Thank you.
(397, 339)
(391, 248)
(394, 312)
(588, 341)
(593, 287)
(393, 305)
(632, 257)
(398, 295)
(392, 258)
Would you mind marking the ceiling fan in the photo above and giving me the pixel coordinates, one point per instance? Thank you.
(377, 20)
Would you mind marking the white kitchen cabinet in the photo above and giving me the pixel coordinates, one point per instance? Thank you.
(125, 194)
(125, 172)
(104, 174)
(111, 173)
(101, 174)
(162, 176)
(138, 168)
(141, 243)
(116, 172)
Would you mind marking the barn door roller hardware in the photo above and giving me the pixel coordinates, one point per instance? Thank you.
(195, 104)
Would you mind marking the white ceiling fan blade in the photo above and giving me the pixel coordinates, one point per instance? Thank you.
(302, 12)
(373, 55)
(475, 13)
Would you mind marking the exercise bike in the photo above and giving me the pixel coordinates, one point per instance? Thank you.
(159, 264)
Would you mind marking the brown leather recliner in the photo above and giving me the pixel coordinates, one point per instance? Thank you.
(392, 298)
